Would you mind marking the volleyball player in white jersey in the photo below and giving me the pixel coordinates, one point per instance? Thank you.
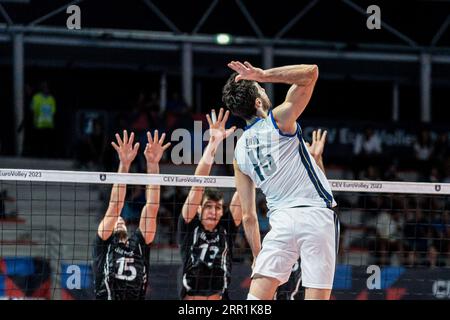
(272, 155)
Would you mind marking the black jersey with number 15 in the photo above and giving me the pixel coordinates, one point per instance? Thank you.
(121, 270)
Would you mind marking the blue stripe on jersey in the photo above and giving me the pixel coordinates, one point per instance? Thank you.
(252, 123)
(276, 127)
(311, 173)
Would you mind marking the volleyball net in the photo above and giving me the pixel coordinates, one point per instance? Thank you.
(394, 240)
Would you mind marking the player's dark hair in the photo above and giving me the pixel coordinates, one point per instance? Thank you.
(213, 194)
(239, 97)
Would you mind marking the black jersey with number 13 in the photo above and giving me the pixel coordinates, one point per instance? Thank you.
(206, 256)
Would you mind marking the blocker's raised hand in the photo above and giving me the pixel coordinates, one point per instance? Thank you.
(155, 148)
(125, 149)
(317, 144)
(217, 126)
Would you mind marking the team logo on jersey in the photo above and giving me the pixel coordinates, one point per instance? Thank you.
(437, 187)
(102, 177)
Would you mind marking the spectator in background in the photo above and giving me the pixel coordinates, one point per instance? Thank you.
(186, 119)
(441, 156)
(435, 175)
(441, 239)
(367, 150)
(139, 118)
(167, 228)
(446, 171)
(423, 150)
(389, 233)
(154, 102)
(446, 237)
(90, 150)
(175, 110)
(172, 199)
(139, 123)
(391, 174)
(432, 257)
(3, 198)
(371, 173)
(27, 122)
(441, 149)
(154, 107)
(43, 107)
(131, 211)
(416, 233)
(175, 104)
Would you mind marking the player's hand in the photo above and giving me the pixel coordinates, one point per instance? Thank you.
(317, 144)
(125, 149)
(155, 148)
(217, 129)
(246, 71)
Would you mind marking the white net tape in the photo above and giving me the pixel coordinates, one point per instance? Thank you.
(27, 175)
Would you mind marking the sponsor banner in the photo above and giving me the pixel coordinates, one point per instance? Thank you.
(395, 139)
(397, 283)
(77, 282)
(350, 283)
(390, 187)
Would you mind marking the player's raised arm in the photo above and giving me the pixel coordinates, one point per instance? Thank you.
(127, 153)
(218, 133)
(236, 209)
(317, 146)
(153, 153)
(302, 77)
(246, 190)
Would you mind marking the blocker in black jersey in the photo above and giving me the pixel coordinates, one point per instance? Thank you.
(121, 269)
(292, 289)
(206, 255)
(121, 260)
(206, 229)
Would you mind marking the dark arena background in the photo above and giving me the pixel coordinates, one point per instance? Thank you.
(145, 65)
